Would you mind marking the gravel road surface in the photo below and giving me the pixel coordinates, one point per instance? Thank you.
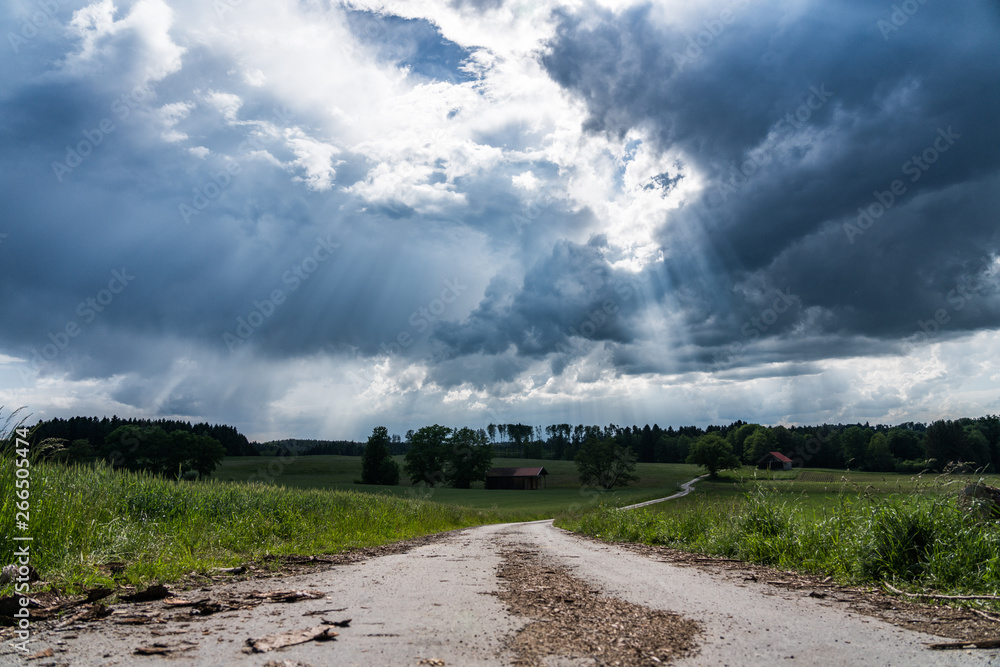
(437, 604)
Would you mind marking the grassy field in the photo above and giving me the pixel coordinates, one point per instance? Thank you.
(83, 517)
(817, 488)
(563, 491)
(858, 527)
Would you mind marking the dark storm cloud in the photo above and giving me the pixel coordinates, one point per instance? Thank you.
(117, 203)
(228, 244)
(796, 122)
(571, 293)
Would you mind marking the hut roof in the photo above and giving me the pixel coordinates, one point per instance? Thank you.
(777, 456)
(516, 472)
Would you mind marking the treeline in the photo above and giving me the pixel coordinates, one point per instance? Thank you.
(96, 431)
(165, 447)
(324, 447)
(908, 447)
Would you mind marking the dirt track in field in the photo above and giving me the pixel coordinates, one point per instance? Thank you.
(509, 594)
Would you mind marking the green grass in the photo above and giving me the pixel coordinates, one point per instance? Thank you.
(817, 488)
(871, 528)
(563, 491)
(86, 516)
(82, 517)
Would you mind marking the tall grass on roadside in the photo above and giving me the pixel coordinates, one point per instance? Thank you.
(913, 540)
(85, 516)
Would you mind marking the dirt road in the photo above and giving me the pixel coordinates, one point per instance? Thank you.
(439, 602)
(686, 488)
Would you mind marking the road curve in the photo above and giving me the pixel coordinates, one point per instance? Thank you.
(686, 488)
(435, 602)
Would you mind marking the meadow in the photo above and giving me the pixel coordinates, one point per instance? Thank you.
(562, 491)
(860, 528)
(85, 517)
(817, 488)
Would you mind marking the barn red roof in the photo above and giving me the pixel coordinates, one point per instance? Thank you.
(516, 472)
(781, 457)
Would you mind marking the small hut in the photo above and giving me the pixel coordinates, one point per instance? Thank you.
(774, 461)
(521, 479)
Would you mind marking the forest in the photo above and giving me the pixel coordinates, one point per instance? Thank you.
(908, 447)
(163, 446)
(95, 431)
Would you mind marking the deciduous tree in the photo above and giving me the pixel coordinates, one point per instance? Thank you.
(426, 457)
(162, 453)
(604, 463)
(377, 466)
(468, 458)
(879, 457)
(759, 443)
(714, 454)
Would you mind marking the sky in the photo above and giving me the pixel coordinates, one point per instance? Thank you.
(309, 218)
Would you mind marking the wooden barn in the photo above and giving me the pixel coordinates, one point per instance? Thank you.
(774, 461)
(521, 479)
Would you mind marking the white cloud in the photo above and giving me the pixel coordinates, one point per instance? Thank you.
(227, 104)
(289, 85)
(327, 395)
(525, 180)
(315, 158)
(171, 114)
(255, 77)
(137, 47)
(91, 24)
